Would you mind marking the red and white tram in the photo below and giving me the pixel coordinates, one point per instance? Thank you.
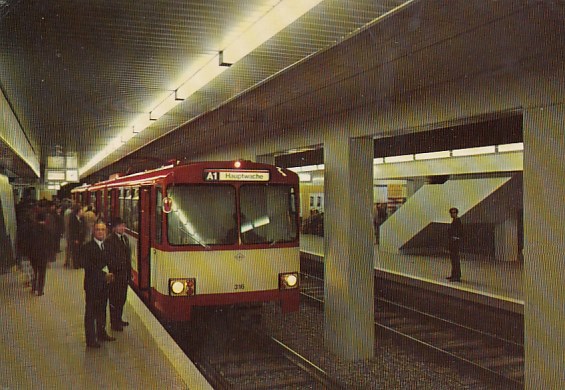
(207, 234)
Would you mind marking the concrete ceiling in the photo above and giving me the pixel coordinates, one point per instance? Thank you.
(77, 72)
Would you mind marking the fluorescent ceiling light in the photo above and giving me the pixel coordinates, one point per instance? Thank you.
(207, 73)
(279, 17)
(396, 159)
(432, 155)
(473, 151)
(72, 162)
(165, 106)
(511, 147)
(126, 135)
(141, 123)
(55, 175)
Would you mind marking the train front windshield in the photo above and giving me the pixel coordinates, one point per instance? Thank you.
(207, 215)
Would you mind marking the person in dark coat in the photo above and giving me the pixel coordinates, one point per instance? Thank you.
(97, 277)
(454, 233)
(77, 230)
(41, 251)
(119, 251)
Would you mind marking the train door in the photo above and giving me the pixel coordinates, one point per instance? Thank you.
(144, 265)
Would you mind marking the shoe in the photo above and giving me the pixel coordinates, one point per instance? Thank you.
(117, 328)
(106, 338)
(125, 323)
(40, 294)
(93, 345)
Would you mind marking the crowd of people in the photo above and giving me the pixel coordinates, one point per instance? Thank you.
(105, 258)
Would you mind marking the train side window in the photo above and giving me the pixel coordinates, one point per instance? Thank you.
(109, 215)
(121, 201)
(127, 208)
(158, 215)
(134, 215)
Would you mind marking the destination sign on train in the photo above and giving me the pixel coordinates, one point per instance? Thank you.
(235, 175)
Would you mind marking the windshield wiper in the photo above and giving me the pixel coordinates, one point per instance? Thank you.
(195, 239)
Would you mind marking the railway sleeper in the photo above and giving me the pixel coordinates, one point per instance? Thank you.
(437, 337)
(383, 315)
(250, 368)
(455, 345)
(235, 358)
(397, 321)
(513, 363)
(415, 329)
(479, 354)
(279, 383)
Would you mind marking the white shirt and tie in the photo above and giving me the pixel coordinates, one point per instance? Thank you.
(101, 246)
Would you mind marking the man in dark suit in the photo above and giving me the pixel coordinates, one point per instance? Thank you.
(40, 252)
(454, 232)
(117, 245)
(76, 234)
(96, 280)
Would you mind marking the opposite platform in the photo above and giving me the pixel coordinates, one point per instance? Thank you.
(43, 343)
(493, 283)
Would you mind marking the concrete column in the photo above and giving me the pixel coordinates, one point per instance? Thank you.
(506, 240)
(544, 247)
(348, 246)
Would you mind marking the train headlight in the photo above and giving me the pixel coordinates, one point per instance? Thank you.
(182, 287)
(288, 280)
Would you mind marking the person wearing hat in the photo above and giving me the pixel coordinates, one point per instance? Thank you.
(119, 251)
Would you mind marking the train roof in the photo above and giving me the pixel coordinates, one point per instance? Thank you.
(149, 176)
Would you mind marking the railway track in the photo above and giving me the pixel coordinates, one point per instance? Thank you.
(233, 354)
(495, 357)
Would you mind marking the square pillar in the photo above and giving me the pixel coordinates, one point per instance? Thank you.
(544, 247)
(348, 246)
(506, 240)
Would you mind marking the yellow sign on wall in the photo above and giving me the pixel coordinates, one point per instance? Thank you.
(395, 191)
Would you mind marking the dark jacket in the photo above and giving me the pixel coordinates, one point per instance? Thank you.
(77, 229)
(455, 230)
(94, 260)
(40, 249)
(119, 257)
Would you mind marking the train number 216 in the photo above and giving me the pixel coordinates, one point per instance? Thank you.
(239, 286)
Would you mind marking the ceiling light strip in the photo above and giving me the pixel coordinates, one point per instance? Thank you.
(278, 18)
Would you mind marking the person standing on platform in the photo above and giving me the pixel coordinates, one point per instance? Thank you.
(454, 233)
(96, 280)
(66, 219)
(41, 252)
(89, 216)
(119, 251)
(76, 234)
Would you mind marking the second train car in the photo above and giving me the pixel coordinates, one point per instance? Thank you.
(207, 234)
